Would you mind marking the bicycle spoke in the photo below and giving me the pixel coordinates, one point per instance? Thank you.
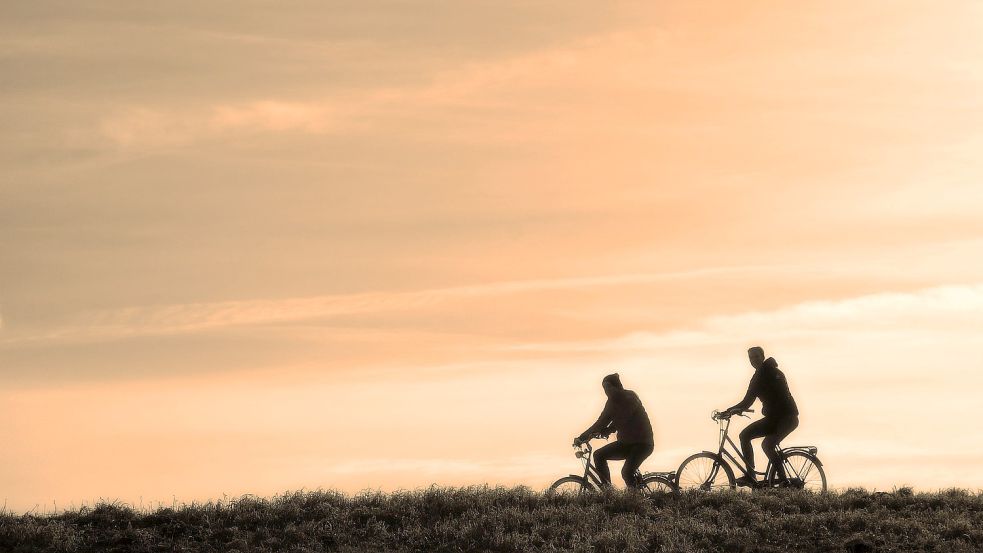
(804, 468)
(802, 472)
(790, 470)
(699, 476)
(704, 473)
(805, 475)
(714, 469)
(656, 486)
(568, 486)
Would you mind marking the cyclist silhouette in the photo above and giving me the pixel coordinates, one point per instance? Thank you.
(623, 413)
(781, 416)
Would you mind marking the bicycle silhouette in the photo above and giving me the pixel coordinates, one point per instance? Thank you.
(590, 482)
(708, 471)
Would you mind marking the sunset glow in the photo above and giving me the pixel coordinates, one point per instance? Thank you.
(255, 249)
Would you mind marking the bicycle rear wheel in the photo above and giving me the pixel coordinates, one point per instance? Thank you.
(570, 485)
(654, 485)
(704, 472)
(803, 471)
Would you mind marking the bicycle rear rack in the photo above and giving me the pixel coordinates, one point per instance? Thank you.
(810, 449)
(669, 474)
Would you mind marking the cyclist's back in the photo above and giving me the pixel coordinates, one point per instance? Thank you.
(623, 413)
(628, 417)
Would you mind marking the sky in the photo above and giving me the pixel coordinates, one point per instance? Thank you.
(252, 247)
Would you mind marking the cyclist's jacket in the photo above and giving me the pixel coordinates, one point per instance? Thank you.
(769, 385)
(624, 413)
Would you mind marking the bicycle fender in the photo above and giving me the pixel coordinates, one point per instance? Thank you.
(806, 450)
(816, 460)
(720, 458)
(810, 449)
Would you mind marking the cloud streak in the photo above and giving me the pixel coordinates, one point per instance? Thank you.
(942, 309)
(148, 127)
(465, 85)
(184, 318)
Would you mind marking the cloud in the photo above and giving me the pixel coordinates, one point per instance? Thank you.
(272, 116)
(182, 318)
(134, 127)
(142, 126)
(941, 309)
(466, 85)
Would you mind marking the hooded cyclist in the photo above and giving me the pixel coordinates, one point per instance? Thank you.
(781, 416)
(623, 413)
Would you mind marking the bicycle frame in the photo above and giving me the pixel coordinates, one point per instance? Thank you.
(722, 452)
(724, 440)
(782, 472)
(590, 471)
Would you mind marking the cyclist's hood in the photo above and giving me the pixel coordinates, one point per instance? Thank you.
(614, 379)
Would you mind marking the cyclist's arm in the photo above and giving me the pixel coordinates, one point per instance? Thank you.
(602, 423)
(749, 397)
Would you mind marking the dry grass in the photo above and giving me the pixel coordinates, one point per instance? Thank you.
(519, 519)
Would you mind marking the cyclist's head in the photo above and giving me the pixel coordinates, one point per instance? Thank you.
(611, 382)
(756, 356)
(770, 363)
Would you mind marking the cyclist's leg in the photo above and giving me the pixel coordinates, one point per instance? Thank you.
(637, 453)
(755, 430)
(613, 451)
(783, 427)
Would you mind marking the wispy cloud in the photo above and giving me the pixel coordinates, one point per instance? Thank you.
(467, 85)
(149, 127)
(172, 319)
(938, 309)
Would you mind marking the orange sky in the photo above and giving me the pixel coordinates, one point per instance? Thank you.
(260, 247)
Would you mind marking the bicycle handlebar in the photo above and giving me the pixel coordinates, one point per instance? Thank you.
(583, 449)
(723, 415)
(594, 436)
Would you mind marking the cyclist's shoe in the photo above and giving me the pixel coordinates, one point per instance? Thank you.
(747, 482)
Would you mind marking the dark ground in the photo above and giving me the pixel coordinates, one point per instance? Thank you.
(518, 519)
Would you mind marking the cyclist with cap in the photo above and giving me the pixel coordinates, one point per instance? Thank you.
(623, 413)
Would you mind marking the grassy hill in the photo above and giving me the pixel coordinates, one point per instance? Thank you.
(518, 519)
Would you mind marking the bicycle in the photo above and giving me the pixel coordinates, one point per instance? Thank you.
(590, 482)
(708, 471)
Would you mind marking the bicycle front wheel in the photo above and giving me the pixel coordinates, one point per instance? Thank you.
(803, 471)
(570, 485)
(705, 472)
